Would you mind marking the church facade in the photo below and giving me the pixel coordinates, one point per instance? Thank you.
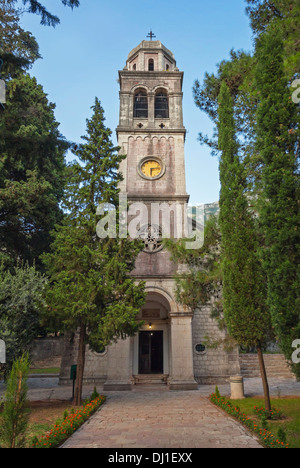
(169, 348)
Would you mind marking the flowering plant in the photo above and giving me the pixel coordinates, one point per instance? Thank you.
(61, 431)
(266, 437)
(273, 414)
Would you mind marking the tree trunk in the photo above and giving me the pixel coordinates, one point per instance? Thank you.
(80, 365)
(264, 378)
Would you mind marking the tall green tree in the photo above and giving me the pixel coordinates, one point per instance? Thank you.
(239, 74)
(283, 16)
(244, 305)
(277, 143)
(32, 150)
(91, 289)
(18, 48)
(32, 171)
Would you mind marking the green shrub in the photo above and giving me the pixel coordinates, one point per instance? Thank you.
(281, 434)
(15, 413)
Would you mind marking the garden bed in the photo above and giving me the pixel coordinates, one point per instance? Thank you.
(47, 415)
(70, 422)
(250, 412)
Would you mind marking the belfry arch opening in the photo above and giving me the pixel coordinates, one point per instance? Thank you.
(161, 110)
(151, 65)
(140, 107)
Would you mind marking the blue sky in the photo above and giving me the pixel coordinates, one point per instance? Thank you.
(82, 56)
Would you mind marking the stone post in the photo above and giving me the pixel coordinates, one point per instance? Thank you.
(237, 387)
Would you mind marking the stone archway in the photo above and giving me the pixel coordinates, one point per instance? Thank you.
(151, 346)
(172, 335)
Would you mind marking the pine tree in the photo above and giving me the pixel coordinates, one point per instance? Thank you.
(18, 48)
(32, 150)
(91, 289)
(47, 18)
(277, 124)
(32, 169)
(283, 17)
(245, 311)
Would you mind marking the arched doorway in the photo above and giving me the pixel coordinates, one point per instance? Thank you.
(151, 344)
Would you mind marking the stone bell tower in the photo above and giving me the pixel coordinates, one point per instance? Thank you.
(152, 135)
(170, 347)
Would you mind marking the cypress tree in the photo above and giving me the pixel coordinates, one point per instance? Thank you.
(277, 126)
(245, 312)
(91, 288)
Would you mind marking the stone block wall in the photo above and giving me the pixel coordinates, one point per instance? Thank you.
(213, 366)
(95, 364)
(47, 352)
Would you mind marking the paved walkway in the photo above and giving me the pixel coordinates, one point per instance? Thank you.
(145, 418)
(160, 420)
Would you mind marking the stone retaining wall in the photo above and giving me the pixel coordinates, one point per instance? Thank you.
(47, 352)
(276, 366)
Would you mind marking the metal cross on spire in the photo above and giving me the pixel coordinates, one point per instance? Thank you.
(151, 35)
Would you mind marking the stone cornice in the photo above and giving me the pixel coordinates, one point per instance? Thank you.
(150, 131)
(157, 198)
(151, 74)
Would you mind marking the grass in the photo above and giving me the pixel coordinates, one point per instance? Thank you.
(290, 407)
(49, 370)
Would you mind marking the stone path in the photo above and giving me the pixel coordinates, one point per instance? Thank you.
(145, 418)
(160, 420)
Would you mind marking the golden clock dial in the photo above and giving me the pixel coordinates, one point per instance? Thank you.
(151, 168)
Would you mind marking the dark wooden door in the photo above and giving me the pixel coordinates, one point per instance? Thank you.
(151, 352)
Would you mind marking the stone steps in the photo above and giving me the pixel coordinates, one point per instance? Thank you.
(150, 379)
(276, 366)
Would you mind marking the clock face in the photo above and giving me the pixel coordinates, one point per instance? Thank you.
(151, 168)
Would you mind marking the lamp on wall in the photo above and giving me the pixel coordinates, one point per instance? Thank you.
(150, 326)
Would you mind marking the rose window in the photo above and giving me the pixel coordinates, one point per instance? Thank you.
(152, 238)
